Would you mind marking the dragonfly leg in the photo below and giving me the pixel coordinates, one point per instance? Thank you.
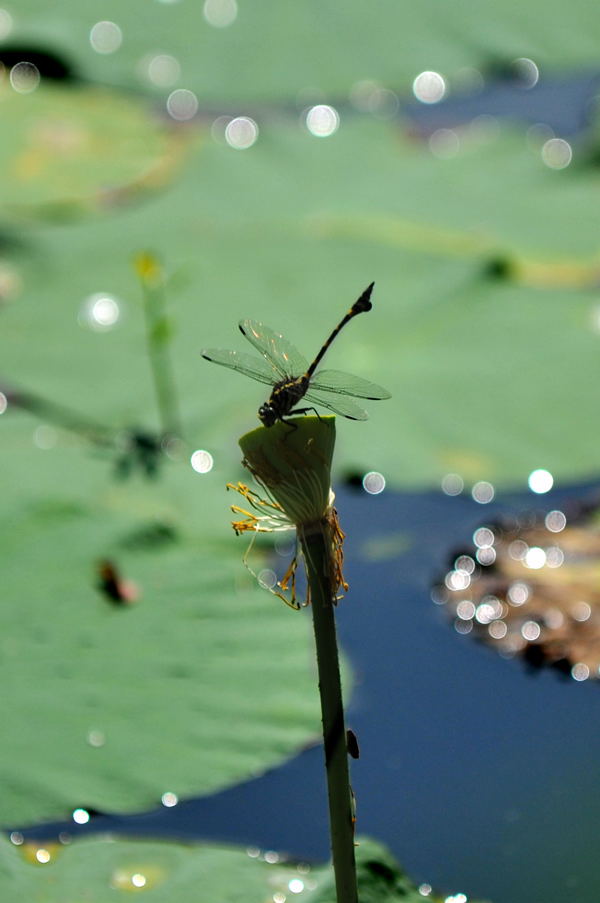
(305, 411)
(291, 423)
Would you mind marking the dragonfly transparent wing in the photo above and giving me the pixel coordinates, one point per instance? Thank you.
(347, 384)
(338, 405)
(254, 367)
(275, 348)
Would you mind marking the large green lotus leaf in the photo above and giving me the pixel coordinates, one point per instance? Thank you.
(67, 151)
(276, 51)
(99, 870)
(202, 682)
(490, 377)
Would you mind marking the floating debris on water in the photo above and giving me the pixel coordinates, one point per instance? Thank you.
(531, 587)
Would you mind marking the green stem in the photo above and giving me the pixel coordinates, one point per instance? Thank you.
(58, 414)
(316, 547)
(157, 338)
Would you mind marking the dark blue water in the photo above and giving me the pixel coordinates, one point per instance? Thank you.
(481, 776)
(566, 103)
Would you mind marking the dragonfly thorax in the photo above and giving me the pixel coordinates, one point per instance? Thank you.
(285, 395)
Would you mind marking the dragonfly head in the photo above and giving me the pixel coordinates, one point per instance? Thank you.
(267, 414)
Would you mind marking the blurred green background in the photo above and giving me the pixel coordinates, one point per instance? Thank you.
(265, 154)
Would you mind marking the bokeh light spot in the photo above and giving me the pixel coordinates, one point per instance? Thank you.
(373, 482)
(488, 610)
(80, 816)
(96, 738)
(202, 461)
(463, 627)
(6, 24)
(162, 69)
(527, 72)
(45, 437)
(444, 144)
(322, 120)
(429, 87)
(535, 558)
(518, 549)
(483, 492)
(518, 593)
(241, 132)
(169, 799)
(452, 484)
(554, 557)
(486, 556)
(540, 481)
(465, 563)
(267, 578)
(24, 77)
(220, 13)
(595, 318)
(580, 671)
(483, 538)
(557, 153)
(531, 631)
(465, 610)
(497, 630)
(555, 521)
(182, 104)
(100, 311)
(582, 612)
(369, 96)
(554, 618)
(106, 37)
(457, 580)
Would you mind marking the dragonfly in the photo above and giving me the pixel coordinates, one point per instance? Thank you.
(292, 378)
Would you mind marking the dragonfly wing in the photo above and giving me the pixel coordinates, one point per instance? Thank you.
(337, 405)
(254, 367)
(347, 384)
(275, 348)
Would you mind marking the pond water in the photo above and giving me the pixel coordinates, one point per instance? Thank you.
(564, 103)
(480, 775)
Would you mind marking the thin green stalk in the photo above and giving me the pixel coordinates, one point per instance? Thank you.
(158, 336)
(317, 551)
(58, 414)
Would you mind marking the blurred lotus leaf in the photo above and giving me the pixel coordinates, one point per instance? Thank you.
(71, 150)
